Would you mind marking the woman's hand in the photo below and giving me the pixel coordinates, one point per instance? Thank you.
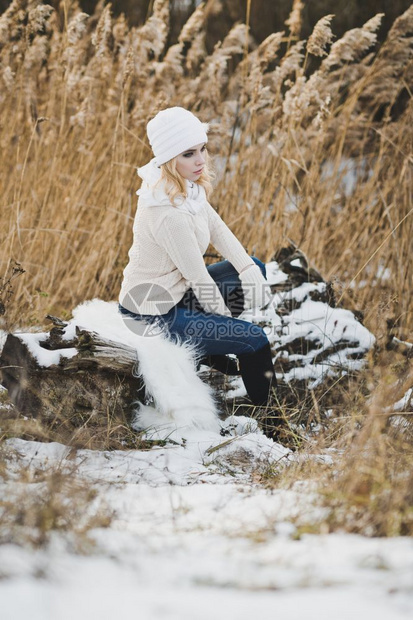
(257, 291)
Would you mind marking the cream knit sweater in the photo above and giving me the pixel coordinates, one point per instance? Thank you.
(166, 257)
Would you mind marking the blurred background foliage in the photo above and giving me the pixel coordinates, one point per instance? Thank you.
(266, 16)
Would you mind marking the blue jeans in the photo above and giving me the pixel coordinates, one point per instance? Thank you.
(212, 333)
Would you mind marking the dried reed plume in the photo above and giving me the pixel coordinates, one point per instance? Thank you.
(320, 37)
(294, 21)
(354, 44)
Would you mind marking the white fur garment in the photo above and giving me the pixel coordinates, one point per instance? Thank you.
(181, 398)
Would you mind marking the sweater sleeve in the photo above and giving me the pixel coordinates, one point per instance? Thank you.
(227, 244)
(177, 236)
(256, 290)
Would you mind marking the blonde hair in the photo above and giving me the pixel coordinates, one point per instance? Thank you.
(175, 185)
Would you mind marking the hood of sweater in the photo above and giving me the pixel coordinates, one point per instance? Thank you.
(151, 196)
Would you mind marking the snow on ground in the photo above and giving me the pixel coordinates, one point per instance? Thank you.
(194, 456)
(193, 541)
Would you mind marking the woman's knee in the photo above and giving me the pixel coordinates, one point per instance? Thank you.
(257, 337)
(222, 270)
(261, 265)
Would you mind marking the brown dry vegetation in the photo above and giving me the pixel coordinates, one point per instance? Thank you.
(36, 503)
(361, 461)
(76, 94)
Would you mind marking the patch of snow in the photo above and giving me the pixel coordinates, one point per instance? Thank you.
(274, 274)
(404, 402)
(3, 336)
(300, 293)
(291, 204)
(383, 273)
(330, 325)
(236, 387)
(188, 456)
(348, 173)
(326, 327)
(43, 356)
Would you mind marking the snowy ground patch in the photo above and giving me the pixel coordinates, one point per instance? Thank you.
(211, 548)
(191, 455)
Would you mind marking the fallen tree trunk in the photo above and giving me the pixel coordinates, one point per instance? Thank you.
(95, 386)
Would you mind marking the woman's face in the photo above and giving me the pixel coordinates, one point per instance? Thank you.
(190, 163)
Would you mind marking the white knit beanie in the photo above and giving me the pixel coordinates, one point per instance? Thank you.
(174, 131)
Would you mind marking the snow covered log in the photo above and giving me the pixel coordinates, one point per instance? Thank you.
(90, 366)
(86, 375)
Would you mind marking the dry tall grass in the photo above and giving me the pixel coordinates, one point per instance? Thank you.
(367, 485)
(322, 157)
(75, 102)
